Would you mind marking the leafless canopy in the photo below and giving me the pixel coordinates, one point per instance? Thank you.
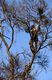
(19, 15)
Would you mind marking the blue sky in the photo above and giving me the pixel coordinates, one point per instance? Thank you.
(49, 3)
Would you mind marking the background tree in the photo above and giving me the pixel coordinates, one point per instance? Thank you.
(21, 16)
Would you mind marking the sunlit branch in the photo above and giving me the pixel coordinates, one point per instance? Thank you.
(12, 67)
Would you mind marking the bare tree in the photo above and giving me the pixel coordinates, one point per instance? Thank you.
(34, 17)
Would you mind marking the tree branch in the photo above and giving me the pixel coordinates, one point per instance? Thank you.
(46, 45)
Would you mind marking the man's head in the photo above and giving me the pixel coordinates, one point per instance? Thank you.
(33, 28)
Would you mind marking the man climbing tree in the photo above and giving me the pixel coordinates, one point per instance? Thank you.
(34, 38)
